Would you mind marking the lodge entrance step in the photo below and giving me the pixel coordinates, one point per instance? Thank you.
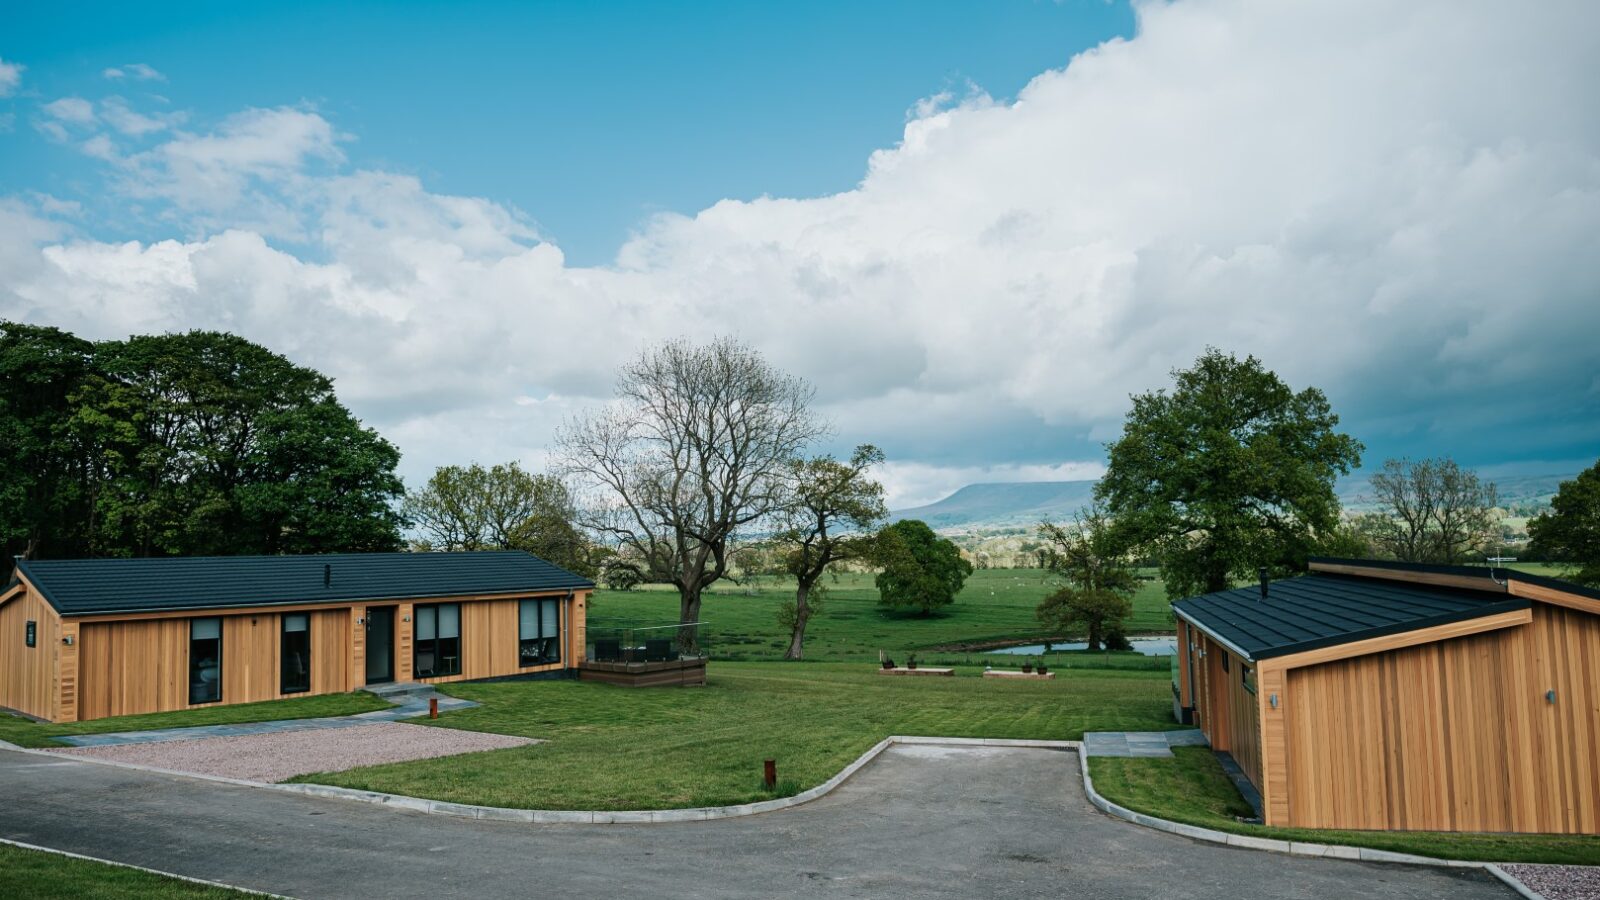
(400, 692)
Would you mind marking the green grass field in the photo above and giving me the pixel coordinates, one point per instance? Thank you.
(1192, 788)
(625, 748)
(28, 733)
(995, 605)
(33, 874)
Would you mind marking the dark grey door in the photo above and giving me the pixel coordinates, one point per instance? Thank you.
(380, 644)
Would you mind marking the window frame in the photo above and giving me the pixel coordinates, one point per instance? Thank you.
(1225, 655)
(1247, 677)
(436, 644)
(194, 664)
(30, 634)
(538, 618)
(283, 653)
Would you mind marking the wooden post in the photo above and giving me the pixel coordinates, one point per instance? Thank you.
(770, 773)
(433, 707)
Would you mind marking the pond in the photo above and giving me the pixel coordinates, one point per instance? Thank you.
(1158, 646)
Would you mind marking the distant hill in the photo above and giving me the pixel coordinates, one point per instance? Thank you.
(1013, 503)
(1029, 502)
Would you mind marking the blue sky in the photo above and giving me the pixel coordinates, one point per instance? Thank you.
(975, 227)
(587, 116)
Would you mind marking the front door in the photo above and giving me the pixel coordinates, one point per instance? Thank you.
(380, 644)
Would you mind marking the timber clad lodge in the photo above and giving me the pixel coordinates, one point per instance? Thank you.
(1390, 696)
(89, 638)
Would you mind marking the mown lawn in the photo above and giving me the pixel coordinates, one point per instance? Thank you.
(27, 733)
(742, 620)
(627, 748)
(1192, 788)
(31, 874)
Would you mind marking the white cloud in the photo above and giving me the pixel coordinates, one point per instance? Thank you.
(72, 110)
(1399, 203)
(10, 77)
(122, 117)
(135, 71)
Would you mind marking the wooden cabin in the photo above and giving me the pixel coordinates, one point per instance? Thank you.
(1389, 696)
(86, 638)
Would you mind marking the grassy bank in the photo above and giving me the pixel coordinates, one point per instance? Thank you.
(34, 874)
(1192, 788)
(621, 748)
(27, 733)
(995, 605)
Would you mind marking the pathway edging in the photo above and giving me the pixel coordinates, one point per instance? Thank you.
(1293, 848)
(645, 817)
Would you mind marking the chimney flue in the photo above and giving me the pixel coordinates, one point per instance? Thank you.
(327, 576)
(1262, 574)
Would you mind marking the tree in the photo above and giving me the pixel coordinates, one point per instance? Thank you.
(183, 444)
(1228, 472)
(1100, 581)
(1433, 511)
(920, 569)
(43, 496)
(1570, 530)
(828, 518)
(695, 448)
(503, 507)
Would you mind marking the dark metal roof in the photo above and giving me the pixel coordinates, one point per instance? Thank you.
(1324, 609)
(77, 587)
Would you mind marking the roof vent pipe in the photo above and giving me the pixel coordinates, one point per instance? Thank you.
(1262, 574)
(327, 575)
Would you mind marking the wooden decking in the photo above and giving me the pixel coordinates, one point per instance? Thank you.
(667, 673)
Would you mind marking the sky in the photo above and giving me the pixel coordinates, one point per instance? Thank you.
(977, 228)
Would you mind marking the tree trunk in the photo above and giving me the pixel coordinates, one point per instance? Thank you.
(802, 614)
(688, 614)
(1094, 636)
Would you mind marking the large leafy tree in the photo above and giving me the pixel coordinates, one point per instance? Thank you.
(1229, 471)
(502, 507)
(695, 450)
(921, 570)
(1570, 530)
(1100, 582)
(828, 518)
(197, 443)
(43, 486)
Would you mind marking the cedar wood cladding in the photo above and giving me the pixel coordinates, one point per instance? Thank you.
(128, 621)
(1470, 703)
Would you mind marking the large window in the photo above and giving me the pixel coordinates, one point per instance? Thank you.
(294, 664)
(539, 631)
(205, 660)
(437, 648)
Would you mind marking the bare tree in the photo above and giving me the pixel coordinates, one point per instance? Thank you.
(694, 449)
(1432, 511)
(831, 515)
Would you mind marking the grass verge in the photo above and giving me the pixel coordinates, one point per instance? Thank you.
(627, 748)
(1192, 788)
(28, 733)
(33, 873)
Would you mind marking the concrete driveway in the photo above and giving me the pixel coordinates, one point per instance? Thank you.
(921, 821)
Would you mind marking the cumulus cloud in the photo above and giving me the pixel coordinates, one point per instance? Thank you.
(1398, 203)
(134, 71)
(72, 110)
(10, 77)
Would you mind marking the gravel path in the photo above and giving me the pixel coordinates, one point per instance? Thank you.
(1559, 882)
(281, 756)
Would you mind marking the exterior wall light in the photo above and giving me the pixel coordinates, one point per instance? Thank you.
(1273, 699)
(67, 639)
(1550, 696)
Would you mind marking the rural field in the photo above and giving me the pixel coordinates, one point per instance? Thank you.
(996, 605)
